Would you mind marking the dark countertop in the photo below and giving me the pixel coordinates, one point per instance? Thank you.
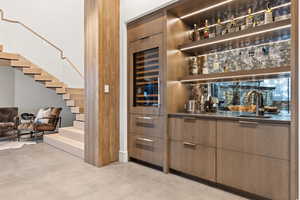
(281, 118)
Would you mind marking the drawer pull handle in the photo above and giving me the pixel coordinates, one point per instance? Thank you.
(248, 123)
(145, 118)
(144, 140)
(189, 144)
(144, 38)
(190, 120)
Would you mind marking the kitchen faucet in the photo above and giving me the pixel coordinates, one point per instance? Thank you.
(259, 100)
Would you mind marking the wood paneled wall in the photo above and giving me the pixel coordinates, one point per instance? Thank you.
(102, 68)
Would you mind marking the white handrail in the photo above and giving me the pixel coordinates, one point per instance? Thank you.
(62, 56)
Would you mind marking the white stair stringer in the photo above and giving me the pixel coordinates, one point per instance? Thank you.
(65, 144)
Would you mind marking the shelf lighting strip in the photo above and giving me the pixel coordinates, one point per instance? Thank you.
(206, 9)
(252, 46)
(232, 77)
(237, 37)
(244, 16)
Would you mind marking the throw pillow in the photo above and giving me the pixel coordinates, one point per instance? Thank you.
(42, 115)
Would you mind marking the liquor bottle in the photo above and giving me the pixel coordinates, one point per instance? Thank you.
(194, 66)
(232, 25)
(195, 35)
(216, 64)
(206, 30)
(219, 27)
(268, 15)
(249, 19)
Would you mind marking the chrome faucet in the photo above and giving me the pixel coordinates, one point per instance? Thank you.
(258, 98)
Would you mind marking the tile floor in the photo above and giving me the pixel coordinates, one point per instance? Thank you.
(41, 172)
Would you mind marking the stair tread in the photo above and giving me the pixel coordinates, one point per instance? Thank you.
(72, 129)
(68, 141)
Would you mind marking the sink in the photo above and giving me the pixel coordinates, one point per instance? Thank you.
(255, 116)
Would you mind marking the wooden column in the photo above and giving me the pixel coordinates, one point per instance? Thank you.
(102, 69)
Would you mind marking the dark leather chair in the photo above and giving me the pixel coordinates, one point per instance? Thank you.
(35, 128)
(8, 122)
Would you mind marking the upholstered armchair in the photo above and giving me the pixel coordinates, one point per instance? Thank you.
(46, 120)
(8, 122)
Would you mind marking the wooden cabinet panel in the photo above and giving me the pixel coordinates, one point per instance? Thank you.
(196, 160)
(148, 27)
(258, 138)
(152, 126)
(260, 175)
(148, 149)
(199, 131)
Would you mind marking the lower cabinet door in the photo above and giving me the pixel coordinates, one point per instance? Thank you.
(196, 160)
(259, 175)
(145, 148)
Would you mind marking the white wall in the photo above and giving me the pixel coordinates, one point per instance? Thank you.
(7, 87)
(30, 96)
(60, 21)
(130, 9)
(17, 90)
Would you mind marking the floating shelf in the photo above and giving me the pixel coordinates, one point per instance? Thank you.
(267, 30)
(239, 75)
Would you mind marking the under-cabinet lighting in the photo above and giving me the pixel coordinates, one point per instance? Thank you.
(237, 37)
(232, 77)
(244, 16)
(206, 9)
(248, 47)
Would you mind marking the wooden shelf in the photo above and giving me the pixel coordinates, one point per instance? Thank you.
(239, 75)
(267, 30)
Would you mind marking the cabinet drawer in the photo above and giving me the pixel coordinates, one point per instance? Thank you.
(145, 28)
(148, 149)
(149, 125)
(260, 175)
(196, 160)
(197, 131)
(257, 138)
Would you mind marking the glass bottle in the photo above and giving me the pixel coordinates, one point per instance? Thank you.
(206, 30)
(219, 27)
(268, 15)
(232, 27)
(195, 35)
(249, 19)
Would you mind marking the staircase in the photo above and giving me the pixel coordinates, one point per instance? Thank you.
(69, 139)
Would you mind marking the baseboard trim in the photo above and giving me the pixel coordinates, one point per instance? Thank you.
(123, 156)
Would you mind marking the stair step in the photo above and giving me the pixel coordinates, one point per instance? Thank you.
(43, 78)
(61, 90)
(65, 144)
(4, 63)
(80, 117)
(67, 96)
(77, 110)
(54, 85)
(78, 124)
(32, 71)
(70, 103)
(1, 48)
(20, 63)
(72, 133)
(9, 56)
(75, 91)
